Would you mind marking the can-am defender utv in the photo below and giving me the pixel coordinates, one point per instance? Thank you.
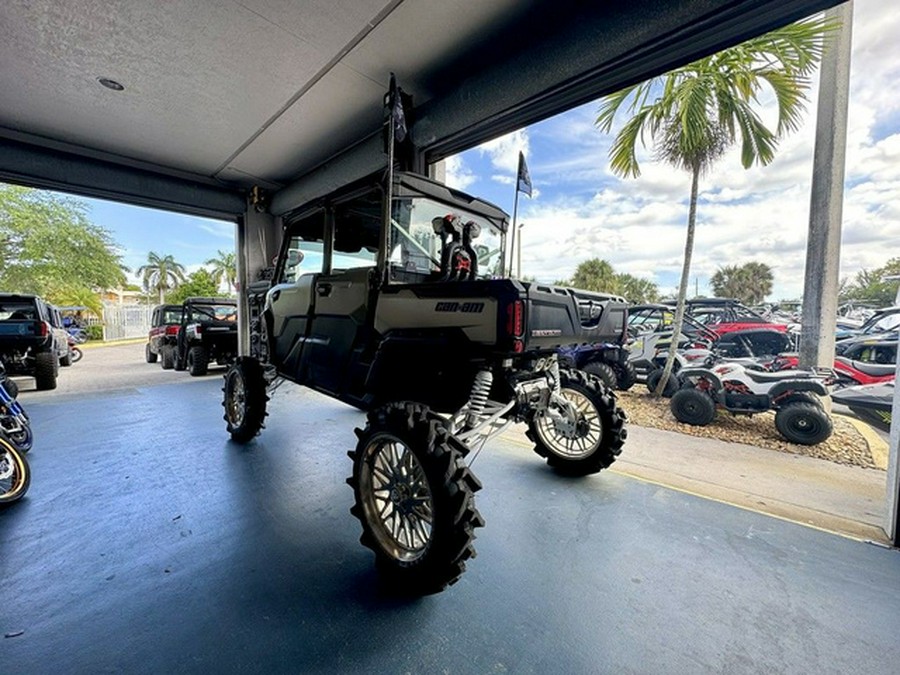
(416, 324)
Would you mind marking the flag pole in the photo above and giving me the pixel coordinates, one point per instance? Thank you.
(384, 248)
(512, 241)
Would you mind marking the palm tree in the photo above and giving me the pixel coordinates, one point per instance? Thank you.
(224, 266)
(694, 113)
(750, 283)
(161, 273)
(595, 275)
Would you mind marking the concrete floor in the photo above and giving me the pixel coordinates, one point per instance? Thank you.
(150, 543)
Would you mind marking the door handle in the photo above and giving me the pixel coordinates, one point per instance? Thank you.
(323, 290)
(276, 295)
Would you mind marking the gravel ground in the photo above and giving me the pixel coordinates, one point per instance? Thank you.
(846, 445)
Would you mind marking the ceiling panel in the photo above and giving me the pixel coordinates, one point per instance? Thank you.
(234, 93)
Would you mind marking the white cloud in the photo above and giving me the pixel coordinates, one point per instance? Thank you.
(458, 175)
(761, 214)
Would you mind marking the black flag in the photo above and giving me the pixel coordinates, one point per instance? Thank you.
(523, 181)
(398, 117)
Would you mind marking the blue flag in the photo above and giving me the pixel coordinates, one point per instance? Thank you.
(523, 182)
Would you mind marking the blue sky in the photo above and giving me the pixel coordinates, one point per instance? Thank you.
(579, 210)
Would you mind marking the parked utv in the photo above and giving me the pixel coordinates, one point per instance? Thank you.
(207, 333)
(413, 321)
(162, 341)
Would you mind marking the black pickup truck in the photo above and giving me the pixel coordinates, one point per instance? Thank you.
(32, 341)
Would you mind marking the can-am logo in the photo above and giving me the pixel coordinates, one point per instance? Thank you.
(465, 307)
(546, 332)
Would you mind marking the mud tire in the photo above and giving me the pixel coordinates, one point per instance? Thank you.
(244, 399)
(414, 497)
(600, 431)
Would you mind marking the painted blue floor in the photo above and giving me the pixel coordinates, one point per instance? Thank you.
(148, 543)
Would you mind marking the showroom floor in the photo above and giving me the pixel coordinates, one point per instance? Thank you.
(150, 543)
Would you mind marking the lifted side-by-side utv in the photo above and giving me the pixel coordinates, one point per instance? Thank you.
(414, 321)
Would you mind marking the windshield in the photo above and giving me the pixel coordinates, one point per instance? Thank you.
(214, 312)
(426, 234)
(882, 322)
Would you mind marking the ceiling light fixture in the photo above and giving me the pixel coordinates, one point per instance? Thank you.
(110, 84)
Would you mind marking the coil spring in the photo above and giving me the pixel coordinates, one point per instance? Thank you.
(478, 398)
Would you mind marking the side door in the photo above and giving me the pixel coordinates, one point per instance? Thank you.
(289, 302)
(342, 305)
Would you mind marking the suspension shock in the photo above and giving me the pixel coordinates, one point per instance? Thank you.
(478, 398)
(554, 376)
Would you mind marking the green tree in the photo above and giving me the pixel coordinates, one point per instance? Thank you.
(201, 283)
(161, 274)
(595, 275)
(224, 267)
(694, 113)
(750, 283)
(636, 289)
(872, 285)
(77, 296)
(48, 244)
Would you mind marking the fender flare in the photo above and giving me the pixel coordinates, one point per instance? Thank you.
(689, 373)
(814, 386)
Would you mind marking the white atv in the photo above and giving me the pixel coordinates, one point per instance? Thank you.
(793, 394)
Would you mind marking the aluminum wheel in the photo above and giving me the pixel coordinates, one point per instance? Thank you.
(235, 398)
(574, 431)
(396, 498)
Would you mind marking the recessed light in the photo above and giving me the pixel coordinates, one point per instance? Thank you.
(110, 84)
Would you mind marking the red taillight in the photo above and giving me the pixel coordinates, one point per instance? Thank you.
(515, 319)
(172, 330)
(44, 329)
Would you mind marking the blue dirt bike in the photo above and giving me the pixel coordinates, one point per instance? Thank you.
(15, 426)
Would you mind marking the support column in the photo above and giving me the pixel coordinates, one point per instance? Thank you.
(258, 239)
(826, 203)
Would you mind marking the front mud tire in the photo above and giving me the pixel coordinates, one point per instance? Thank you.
(414, 497)
(592, 440)
(245, 399)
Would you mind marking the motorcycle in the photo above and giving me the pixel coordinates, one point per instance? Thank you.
(15, 474)
(14, 422)
(75, 353)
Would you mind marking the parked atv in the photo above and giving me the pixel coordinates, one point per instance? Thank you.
(793, 394)
(607, 360)
(411, 319)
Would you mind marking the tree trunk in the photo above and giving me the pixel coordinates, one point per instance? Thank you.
(682, 288)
